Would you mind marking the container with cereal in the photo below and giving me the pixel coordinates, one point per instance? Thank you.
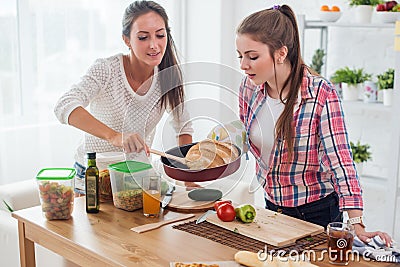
(103, 160)
(56, 192)
(126, 183)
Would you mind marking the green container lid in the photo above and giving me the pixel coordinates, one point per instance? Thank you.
(56, 174)
(129, 166)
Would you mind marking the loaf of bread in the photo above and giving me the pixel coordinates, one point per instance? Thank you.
(210, 153)
(251, 259)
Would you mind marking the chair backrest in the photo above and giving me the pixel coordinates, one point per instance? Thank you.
(19, 195)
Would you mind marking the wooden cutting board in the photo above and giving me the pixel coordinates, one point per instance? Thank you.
(271, 227)
(181, 202)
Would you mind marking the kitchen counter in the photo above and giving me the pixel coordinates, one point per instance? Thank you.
(105, 239)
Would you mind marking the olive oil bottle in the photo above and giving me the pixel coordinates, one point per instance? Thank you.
(92, 185)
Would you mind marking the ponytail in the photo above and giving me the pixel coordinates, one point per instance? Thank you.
(277, 27)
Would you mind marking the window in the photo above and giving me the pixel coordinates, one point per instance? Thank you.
(9, 86)
(48, 46)
(45, 47)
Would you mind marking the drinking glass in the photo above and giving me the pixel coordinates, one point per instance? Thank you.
(340, 242)
(151, 195)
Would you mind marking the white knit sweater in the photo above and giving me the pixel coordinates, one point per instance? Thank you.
(114, 103)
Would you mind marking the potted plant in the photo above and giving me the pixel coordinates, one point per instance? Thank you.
(361, 154)
(364, 2)
(364, 8)
(351, 80)
(318, 60)
(385, 84)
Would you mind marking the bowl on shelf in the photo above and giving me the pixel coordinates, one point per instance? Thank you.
(387, 16)
(329, 16)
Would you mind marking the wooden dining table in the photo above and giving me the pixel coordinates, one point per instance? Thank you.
(105, 239)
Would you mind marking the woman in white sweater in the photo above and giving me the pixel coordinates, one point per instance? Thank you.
(128, 94)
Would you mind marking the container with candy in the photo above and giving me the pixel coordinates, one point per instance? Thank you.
(56, 192)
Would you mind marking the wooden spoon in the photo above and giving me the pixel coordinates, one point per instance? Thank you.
(191, 164)
(151, 226)
(169, 156)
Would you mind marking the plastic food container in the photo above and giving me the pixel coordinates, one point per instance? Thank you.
(103, 160)
(126, 183)
(56, 192)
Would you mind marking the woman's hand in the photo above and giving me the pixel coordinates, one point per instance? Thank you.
(130, 142)
(366, 236)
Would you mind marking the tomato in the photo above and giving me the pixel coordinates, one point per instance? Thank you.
(226, 212)
(219, 203)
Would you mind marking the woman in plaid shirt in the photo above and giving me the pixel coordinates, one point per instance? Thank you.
(295, 126)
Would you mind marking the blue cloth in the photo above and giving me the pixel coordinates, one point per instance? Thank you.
(79, 181)
(376, 249)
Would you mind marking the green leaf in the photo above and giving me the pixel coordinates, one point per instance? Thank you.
(350, 76)
(318, 60)
(360, 152)
(386, 79)
(8, 206)
(364, 2)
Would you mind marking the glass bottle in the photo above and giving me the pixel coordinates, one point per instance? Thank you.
(92, 185)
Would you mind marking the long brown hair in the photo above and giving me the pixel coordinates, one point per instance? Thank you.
(277, 27)
(171, 78)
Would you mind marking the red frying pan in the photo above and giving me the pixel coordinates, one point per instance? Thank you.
(181, 172)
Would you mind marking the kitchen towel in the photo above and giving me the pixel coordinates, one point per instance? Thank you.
(376, 249)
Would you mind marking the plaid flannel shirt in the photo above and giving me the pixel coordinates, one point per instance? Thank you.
(322, 160)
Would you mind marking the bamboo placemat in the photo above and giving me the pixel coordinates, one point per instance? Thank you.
(240, 242)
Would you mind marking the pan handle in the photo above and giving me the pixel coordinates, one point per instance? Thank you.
(168, 156)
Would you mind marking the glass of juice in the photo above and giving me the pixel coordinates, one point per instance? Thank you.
(340, 242)
(151, 195)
